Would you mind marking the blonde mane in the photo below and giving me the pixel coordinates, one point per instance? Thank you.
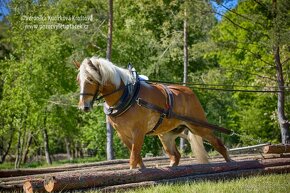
(103, 71)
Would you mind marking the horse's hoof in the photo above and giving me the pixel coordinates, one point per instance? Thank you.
(230, 160)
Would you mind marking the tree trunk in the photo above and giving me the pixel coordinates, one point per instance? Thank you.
(110, 151)
(46, 146)
(18, 150)
(68, 150)
(282, 119)
(80, 146)
(185, 66)
(27, 147)
(45, 141)
(5, 152)
(110, 31)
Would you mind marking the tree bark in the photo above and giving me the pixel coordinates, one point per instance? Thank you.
(68, 150)
(282, 119)
(278, 149)
(21, 139)
(87, 179)
(104, 165)
(46, 146)
(27, 147)
(45, 141)
(80, 150)
(185, 66)
(229, 175)
(36, 184)
(110, 30)
(5, 152)
(155, 162)
(18, 150)
(110, 150)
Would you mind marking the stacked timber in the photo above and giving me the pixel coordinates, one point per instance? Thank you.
(277, 149)
(120, 177)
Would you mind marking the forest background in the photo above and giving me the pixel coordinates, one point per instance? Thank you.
(238, 64)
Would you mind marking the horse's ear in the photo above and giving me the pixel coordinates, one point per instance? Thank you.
(90, 62)
(76, 63)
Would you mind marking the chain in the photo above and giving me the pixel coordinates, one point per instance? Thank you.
(258, 141)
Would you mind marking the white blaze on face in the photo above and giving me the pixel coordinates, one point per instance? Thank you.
(82, 81)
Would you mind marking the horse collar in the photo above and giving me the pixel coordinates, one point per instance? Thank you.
(128, 98)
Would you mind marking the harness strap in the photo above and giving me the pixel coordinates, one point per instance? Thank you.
(125, 102)
(163, 112)
(191, 120)
(169, 100)
(200, 123)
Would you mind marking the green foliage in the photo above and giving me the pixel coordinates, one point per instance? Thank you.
(37, 79)
(244, 43)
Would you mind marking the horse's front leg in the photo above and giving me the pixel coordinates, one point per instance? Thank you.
(135, 157)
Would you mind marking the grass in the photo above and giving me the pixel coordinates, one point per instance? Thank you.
(278, 183)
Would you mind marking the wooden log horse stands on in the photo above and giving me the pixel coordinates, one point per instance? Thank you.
(137, 108)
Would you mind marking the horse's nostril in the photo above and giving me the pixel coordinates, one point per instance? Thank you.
(86, 109)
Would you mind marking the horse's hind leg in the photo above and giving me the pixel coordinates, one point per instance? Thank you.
(168, 142)
(218, 145)
(208, 135)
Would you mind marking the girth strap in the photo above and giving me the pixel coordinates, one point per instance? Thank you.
(163, 112)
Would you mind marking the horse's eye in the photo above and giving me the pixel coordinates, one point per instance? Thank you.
(90, 80)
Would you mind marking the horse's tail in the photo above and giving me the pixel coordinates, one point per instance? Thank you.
(197, 147)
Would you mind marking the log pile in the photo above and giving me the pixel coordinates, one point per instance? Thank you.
(277, 149)
(112, 176)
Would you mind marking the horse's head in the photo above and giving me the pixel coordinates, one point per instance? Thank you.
(88, 79)
(99, 76)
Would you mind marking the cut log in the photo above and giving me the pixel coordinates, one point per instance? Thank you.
(89, 179)
(278, 149)
(203, 177)
(25, 172)
(10, 188)
(12, 174)
(32, 186)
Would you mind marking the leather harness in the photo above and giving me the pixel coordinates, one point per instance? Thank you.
(125, 102)
(164, 113)
(128, 99)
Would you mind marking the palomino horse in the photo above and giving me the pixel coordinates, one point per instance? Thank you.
(121, 91)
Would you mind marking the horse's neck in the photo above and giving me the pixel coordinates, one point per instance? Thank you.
(112, 99)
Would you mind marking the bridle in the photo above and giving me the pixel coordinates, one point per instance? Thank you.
(95, 95)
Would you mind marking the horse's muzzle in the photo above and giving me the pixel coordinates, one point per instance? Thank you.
(85, 107)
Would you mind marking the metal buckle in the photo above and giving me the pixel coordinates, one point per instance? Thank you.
(163, 115)
(138, 101)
